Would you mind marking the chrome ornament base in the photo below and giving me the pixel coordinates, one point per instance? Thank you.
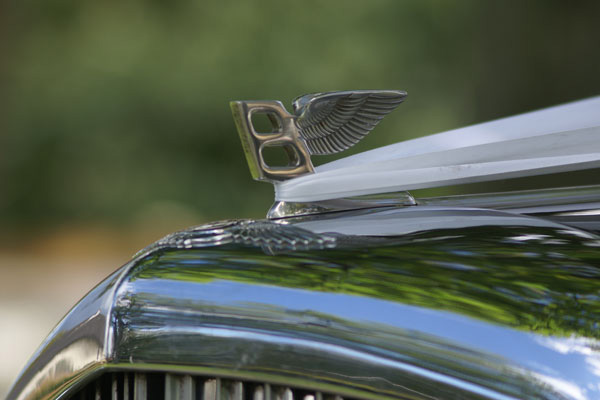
(285, 209)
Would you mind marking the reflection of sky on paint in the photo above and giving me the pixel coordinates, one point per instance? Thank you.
(568, 364)
(585, 348)
(564, 387)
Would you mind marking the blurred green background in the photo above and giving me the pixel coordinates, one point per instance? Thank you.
(115, 126)
(116, 112)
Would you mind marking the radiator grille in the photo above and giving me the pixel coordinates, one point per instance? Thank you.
(159, 386)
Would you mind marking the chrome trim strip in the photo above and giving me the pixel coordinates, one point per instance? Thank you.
(573, 206)
(525, 201)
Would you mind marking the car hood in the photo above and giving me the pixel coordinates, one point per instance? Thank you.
(415, 302)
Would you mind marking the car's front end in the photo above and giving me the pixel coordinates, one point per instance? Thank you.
(376, 297)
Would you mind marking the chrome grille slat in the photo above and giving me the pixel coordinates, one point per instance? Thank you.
(179, 387)
(211, 389)
(98, 391)
(283, 393)
(114, 387)
(125, 386)
(259, 393)
(171, 386)
(267, 392)
(140, 387)
(231, 390)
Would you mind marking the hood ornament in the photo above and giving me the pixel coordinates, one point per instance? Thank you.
(322, 123)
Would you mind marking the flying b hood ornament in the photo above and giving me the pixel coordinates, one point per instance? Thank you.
(322, 123)
(558, 139)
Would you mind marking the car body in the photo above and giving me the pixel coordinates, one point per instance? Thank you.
(489, 296)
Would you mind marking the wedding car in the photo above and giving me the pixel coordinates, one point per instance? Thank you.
(354, 288)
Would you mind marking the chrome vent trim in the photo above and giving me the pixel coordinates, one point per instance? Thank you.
(168, 386)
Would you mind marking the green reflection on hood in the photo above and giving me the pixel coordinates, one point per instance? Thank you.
(536, 279)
